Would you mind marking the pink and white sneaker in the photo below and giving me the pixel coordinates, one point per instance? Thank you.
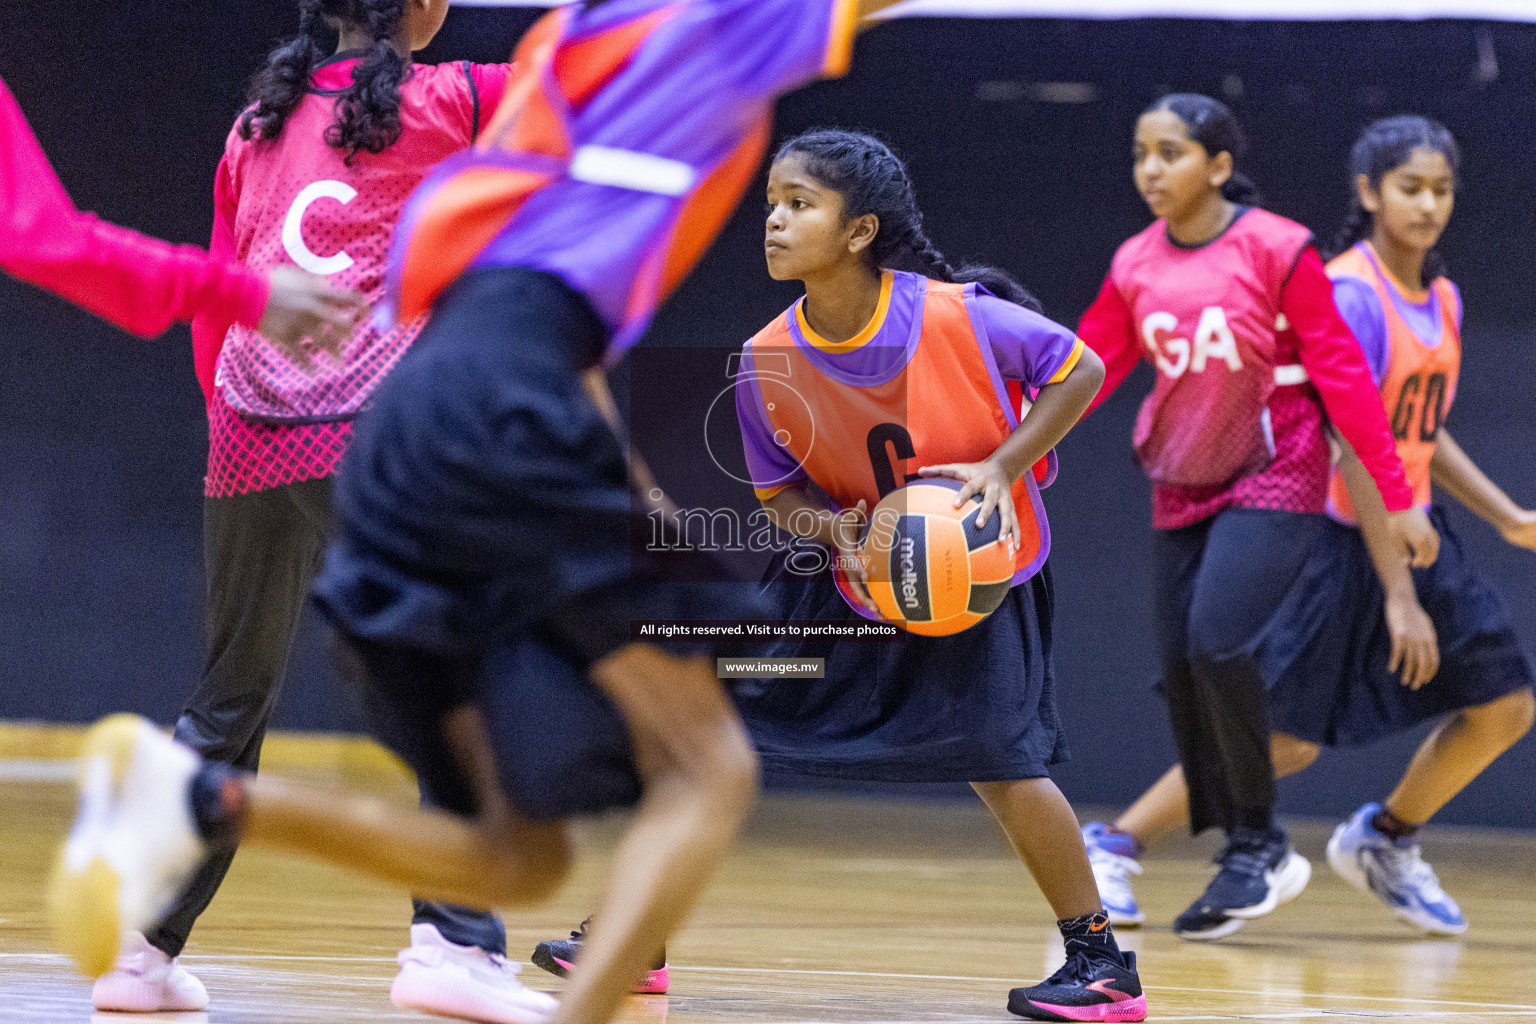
(464, 982)
(145, 980)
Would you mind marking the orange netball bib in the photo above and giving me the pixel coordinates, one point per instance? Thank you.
(1420, 381)
(860, 439)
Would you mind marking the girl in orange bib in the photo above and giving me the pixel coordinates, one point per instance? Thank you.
(875, 378)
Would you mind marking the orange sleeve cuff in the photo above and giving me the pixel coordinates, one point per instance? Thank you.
(845, 24)
(764, 493)
(1071, 363)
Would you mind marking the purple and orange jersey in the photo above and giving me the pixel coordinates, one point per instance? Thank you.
(1412, 340)
(924, 383)
(625, 142)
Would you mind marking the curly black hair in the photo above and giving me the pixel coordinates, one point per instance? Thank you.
(368, 110)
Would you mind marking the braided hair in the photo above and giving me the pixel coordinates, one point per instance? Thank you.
(1384, 146)
(1212, 124)
(872, 179)
(368, 110)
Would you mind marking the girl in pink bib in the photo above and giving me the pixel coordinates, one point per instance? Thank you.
(341, 128)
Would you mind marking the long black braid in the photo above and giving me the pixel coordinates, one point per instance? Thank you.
(872, 179)
(368, 110)
(1384, 146)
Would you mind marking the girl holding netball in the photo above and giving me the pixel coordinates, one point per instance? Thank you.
(1389, 647)
(342, 126)
(901, 376)
(1233, 307)
(483, 576)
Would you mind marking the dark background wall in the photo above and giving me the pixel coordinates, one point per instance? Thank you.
(102, 437)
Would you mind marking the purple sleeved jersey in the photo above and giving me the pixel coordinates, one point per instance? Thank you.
(661, 155)
(1362, 311)
(1024, 346)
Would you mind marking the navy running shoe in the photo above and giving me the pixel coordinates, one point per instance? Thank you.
(1200, 925)
(1100, 987)
(1256, 872)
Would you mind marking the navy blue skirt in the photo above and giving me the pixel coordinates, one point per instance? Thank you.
(1330, 683)
(978, 706)
(489, 551)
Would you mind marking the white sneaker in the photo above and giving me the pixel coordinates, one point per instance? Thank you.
(1395, 872)
(465, 982)
(1112, 870)
(134, 844)
(145, 980)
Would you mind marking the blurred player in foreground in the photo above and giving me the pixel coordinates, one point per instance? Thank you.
(341, 127)
(484, 577)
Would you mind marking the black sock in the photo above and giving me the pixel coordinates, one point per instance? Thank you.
(1393, 827)
(1092, 934)
(1260, 819)
(218, 803)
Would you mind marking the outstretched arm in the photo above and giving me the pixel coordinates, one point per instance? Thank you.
(1338, 370)
(1453, 469)
(141, 284)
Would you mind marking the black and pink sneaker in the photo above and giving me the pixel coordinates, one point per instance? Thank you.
(558, 957)
(1088, 987)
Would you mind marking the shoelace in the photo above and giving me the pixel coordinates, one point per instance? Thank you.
(1081, 966)
(1078, 970)
(580, 934)
(1244, 856)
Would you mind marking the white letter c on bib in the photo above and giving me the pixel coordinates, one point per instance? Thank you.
(293, 233)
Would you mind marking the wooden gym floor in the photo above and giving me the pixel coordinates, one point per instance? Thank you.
(832, 910)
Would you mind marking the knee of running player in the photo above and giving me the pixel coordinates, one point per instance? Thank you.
(528, 862)
(714, 758)
(1290, 755)
(1505, 720)
(685, 730)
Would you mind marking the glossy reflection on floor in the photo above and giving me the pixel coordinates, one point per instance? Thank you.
(832, 910)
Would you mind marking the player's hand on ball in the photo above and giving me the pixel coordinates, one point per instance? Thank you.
(987, 482)
(303, 306)
(848, 529)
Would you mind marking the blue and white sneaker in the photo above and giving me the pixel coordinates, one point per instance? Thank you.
(1395, 872)
(1112, 856)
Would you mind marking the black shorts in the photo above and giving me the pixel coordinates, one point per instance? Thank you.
(978, 706)
(487, 547)
(1338, 692)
